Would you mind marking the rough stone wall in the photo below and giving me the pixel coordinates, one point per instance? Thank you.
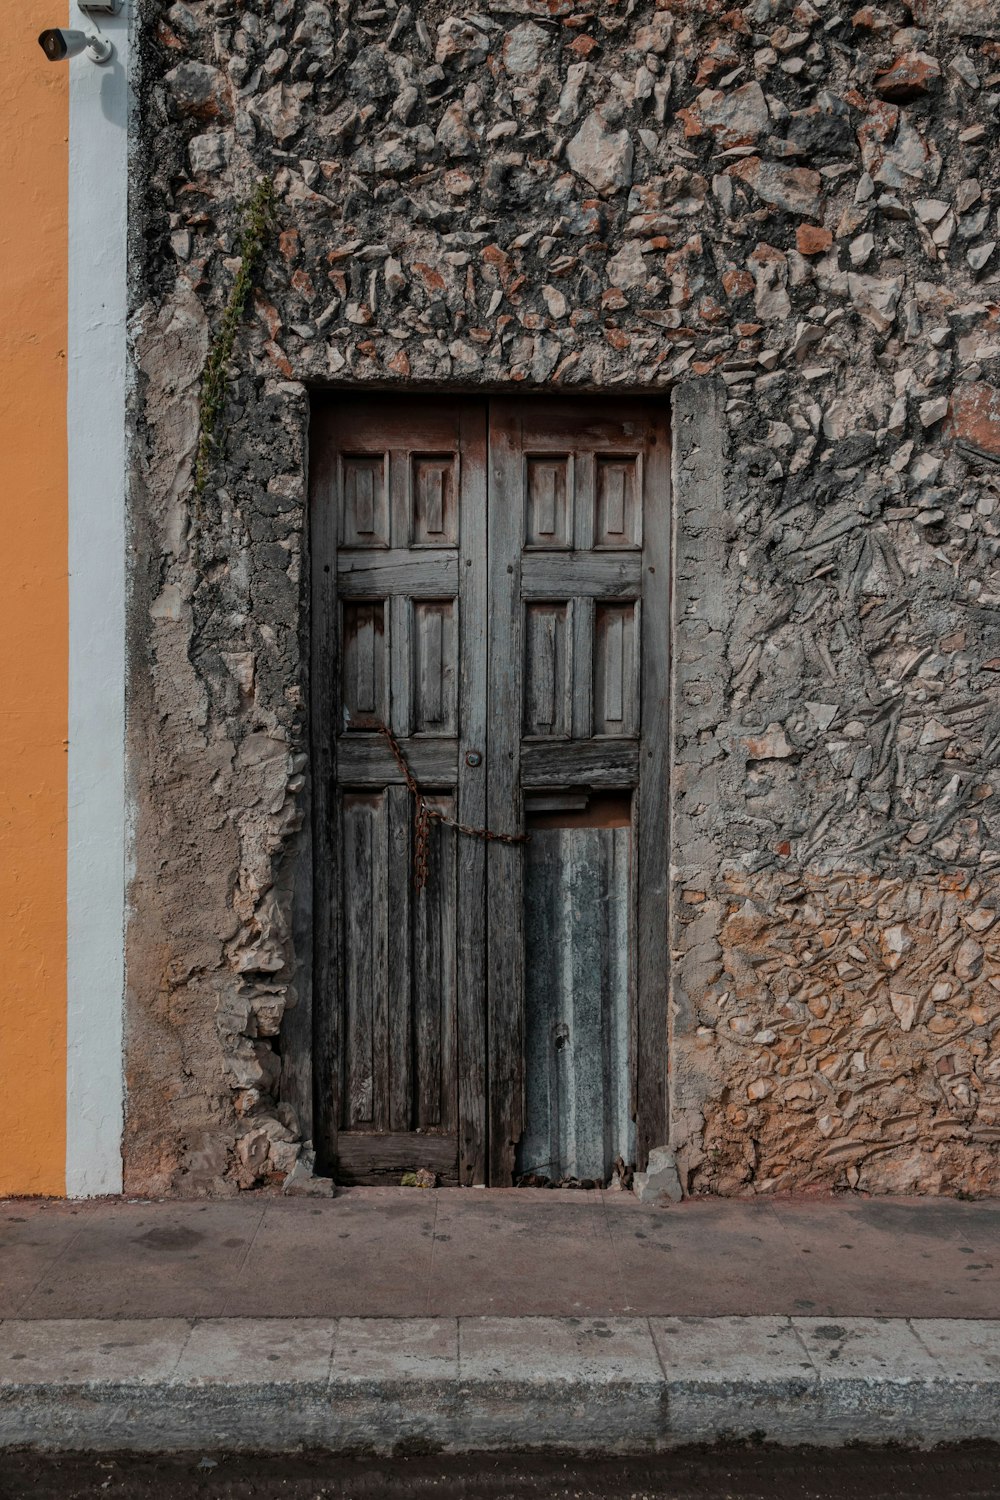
(787, 213)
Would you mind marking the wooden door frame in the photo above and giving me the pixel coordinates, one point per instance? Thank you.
(318, 1033)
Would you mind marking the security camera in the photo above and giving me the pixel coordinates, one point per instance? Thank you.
(58, 45)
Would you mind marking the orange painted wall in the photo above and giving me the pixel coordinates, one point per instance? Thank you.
(34, 127)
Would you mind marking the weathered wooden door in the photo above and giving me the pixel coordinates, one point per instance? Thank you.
(578, 680)
(490, 581)
(399, 589)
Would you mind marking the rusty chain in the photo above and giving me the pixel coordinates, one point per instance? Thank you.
(424, 815)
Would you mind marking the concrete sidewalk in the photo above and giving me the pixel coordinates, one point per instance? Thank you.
(389, 1318)
(404, 1252)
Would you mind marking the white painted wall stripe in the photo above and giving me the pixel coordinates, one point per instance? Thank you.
(95, 876)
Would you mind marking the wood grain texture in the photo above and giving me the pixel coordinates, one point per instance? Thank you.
(399, 960)
(596, 763)
(365, 1159)
(653, 861)
(598, 575)
(505, 899)
(366, 760)
(471, 992)
(419, 575)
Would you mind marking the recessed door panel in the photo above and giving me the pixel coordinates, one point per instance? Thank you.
(548, 660)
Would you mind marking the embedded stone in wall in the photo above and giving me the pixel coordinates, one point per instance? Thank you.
(975, 417)
(602, 157)
(976, 18)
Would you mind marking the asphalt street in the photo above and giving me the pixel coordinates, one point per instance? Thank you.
(965, 1472)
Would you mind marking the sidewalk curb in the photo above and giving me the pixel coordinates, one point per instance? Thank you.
(617, 1385)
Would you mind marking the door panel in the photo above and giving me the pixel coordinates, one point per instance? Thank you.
(400, 603)
(578, 519)
(577, 1002)
(490, 581)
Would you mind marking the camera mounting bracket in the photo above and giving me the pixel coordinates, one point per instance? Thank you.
(100, 7)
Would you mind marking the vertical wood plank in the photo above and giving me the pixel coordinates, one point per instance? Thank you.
(382, 918)
(582, 470)
(653, 855)
(399, 480)
(449, 942)
(471, 997)
(399, 880)
(400, 665)
(583, 668)
(505, 901)
(614, 667)
(427, 964)
(360, 815)
(430, 656)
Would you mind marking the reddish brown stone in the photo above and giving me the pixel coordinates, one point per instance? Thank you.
(796, 190)
(719, 58)
(494, 256)
(169, 38)
(812, 239)
(974, 417)
(910, 77)
(278, 358)
(268, 312)
(433, 280)
(583, 46)
(691, 120)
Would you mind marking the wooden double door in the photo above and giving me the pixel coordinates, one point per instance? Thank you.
(490, 582)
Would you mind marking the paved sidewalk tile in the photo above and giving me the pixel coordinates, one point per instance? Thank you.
(397, 1349)
(354, 1256)
(886, 1259)
(863, 1348)
(542, 1253)
(663, 1257)
(258, 1351)
(485, 1383)
(148, 1260)
(525, 1351)
(82, 1351)
(723, 1350)
(33, 1236)
(964, 1349)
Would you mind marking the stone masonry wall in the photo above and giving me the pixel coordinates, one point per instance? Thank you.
(786, 213)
